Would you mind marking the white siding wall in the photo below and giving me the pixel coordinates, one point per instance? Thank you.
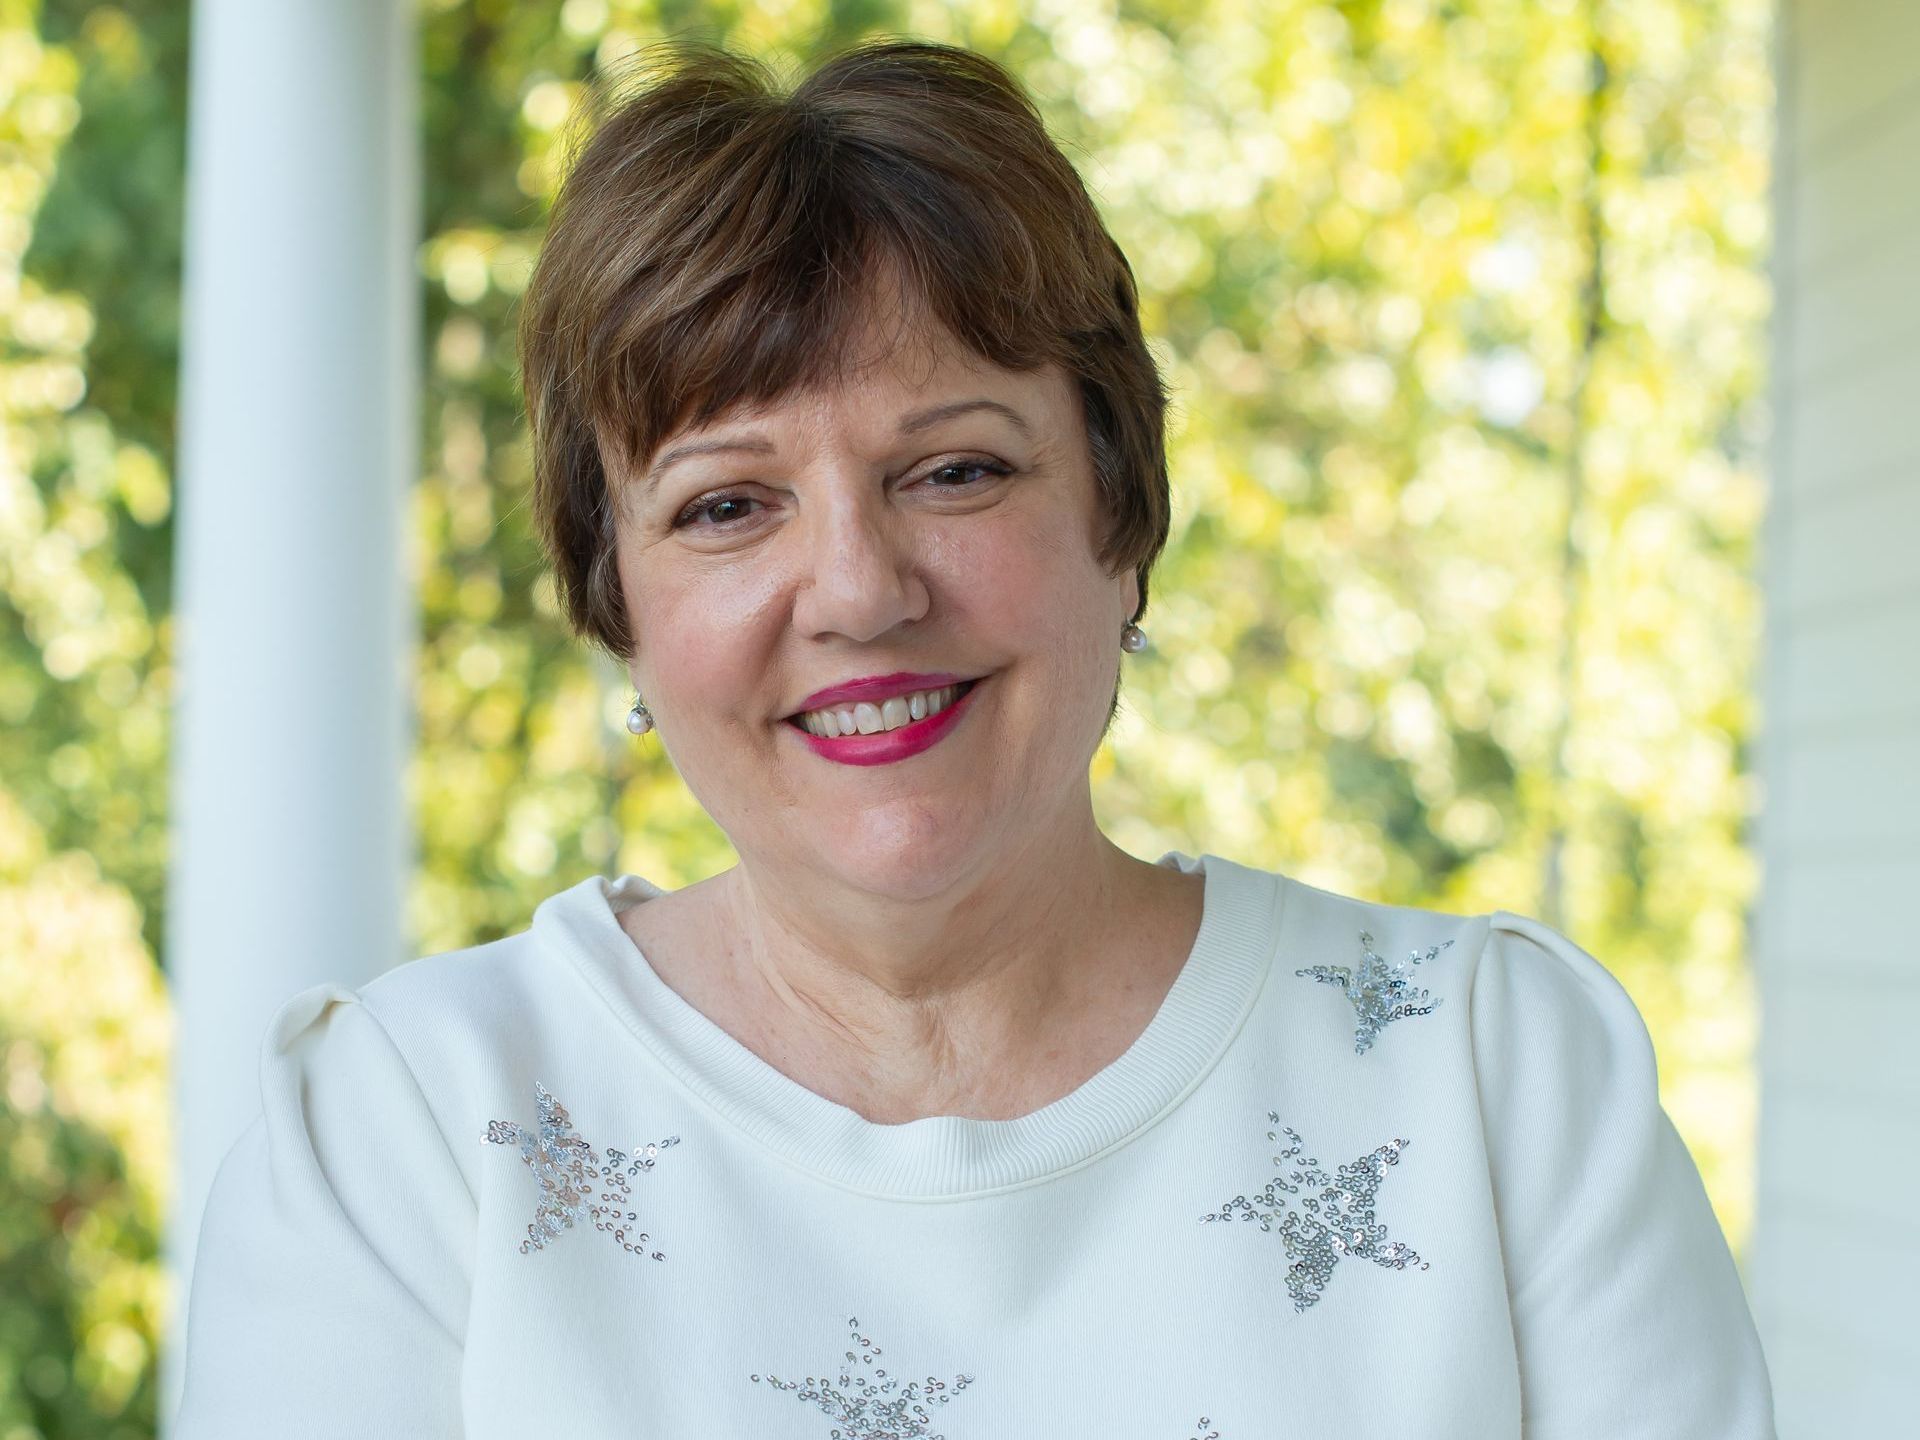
(1836, 1258)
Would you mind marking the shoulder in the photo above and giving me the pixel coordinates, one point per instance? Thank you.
(350, 1074)
(1568, 1090)
(1515, 972)
(1542, 1002)
(434, 1034)
(417, 1009)
(1372, 944)
(1521, 995)
(1609, 1242)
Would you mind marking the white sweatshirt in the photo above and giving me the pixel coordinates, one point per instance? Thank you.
(1371, 1171)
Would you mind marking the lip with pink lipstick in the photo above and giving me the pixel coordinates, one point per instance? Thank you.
(885, 746)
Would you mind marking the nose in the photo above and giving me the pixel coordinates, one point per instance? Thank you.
(860, 573)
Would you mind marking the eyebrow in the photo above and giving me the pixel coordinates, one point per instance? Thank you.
(910, 424)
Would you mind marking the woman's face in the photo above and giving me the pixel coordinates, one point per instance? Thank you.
(936, 514)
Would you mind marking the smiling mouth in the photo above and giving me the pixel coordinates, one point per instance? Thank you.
(962, 690)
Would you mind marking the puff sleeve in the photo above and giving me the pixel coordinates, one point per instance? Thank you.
(330, 1280)
(1628, 1314)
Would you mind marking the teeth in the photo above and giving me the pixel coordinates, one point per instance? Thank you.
(870, 719)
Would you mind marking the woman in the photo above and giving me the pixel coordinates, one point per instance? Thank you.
(938, 1114)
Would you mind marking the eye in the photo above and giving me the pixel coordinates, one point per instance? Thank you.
(706, 504)
(986, 467)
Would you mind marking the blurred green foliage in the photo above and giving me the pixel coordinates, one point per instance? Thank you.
(91, 116)
(1463, 310)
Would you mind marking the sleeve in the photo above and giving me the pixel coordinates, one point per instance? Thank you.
(330, 1280)
(1628, 1314)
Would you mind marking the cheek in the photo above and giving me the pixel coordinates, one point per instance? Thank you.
(1034, 585)
(1026, 564)
(699, 633)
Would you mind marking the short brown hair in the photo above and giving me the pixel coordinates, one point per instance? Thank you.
(713, 242)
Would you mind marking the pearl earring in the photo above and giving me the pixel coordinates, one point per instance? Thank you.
(1133, 639)
(639, 720)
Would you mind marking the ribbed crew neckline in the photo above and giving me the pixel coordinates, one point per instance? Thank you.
(940, 1157)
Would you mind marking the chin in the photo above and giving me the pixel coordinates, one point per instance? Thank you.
(910, 856)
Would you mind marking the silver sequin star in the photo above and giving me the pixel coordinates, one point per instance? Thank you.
(867, 1403)
(1380, 992)
(576, 1182)
(1333, 1217)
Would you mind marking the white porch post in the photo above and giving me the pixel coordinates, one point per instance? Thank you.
(297, 448)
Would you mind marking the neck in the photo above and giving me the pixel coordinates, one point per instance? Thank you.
(999, 994)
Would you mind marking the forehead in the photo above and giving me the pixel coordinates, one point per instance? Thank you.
(897, 358)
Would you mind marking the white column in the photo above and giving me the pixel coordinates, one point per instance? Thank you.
(298, 425)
